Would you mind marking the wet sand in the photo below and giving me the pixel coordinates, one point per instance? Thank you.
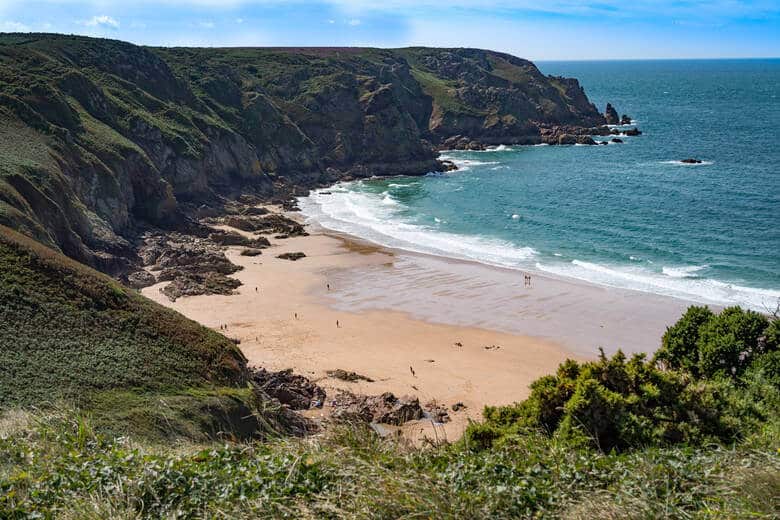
(437, 329)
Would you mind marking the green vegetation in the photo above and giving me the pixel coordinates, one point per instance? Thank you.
(613, 438)
(70, 334)
(57, 465)
(722, 387)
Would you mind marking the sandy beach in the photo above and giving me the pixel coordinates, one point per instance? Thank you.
(437, 329)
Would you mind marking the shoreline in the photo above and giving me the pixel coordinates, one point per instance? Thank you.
(290, 322)
(416, 324)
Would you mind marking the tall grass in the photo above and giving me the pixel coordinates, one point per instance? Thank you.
(56, 464)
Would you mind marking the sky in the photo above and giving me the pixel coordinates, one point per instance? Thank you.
(539, 30)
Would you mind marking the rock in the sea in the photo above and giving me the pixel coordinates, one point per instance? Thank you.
(567, 139)
(292, 390)
(585, 139)
(448, 166)
(616, 140)
(691, 161)
(625, 119)
(632, 132)
(292, 256)
(611, 115)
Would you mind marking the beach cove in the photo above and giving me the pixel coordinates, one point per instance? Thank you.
(437, 329)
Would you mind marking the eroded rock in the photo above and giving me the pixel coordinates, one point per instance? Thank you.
(345, 375)
(385, 408)
(292, 256)
(292, 390)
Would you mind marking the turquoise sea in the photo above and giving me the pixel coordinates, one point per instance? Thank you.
(629, 215)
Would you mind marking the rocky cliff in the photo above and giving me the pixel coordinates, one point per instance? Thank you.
(101, 138)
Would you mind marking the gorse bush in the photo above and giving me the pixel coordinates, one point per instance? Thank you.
(723, 385)
(709, 345)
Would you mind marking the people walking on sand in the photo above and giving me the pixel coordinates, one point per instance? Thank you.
(296, 315)
(328, 286)
(337, 324)
(412, 371)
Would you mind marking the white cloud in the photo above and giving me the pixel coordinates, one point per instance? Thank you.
(331, 21)
(104, 21)
(11, 26)
(239, 20)
(206, 25)
(354, 22)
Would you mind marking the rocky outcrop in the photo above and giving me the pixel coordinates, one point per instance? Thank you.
(292, 390)
(385, 408)
(275, 223)
(611, 115)
(691, 161)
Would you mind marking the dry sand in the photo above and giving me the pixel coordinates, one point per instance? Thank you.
(286, 317)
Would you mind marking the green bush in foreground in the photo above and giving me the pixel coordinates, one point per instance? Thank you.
(725, 385)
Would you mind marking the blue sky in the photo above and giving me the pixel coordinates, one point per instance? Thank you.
(541, 30)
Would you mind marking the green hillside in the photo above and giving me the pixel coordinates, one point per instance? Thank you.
(70, 336)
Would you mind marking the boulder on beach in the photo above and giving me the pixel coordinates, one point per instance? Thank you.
(292, 390)
(292, 256)
(385, 408)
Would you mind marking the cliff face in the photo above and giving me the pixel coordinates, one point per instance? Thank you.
(99, 137)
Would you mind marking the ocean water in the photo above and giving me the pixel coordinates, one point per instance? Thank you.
(629, 215)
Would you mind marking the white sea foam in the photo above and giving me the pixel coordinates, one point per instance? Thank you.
(678, 282)
(515, 216)
(688, 271)
(365, 215)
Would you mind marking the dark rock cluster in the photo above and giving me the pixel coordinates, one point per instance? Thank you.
(292, 390)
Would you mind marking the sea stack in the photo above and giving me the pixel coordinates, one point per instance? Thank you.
(611, 115)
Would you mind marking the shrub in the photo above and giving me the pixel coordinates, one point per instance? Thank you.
(729, 342)
(679, 348)
(614, 403)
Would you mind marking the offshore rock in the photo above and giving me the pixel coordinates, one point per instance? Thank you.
(611, 115)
